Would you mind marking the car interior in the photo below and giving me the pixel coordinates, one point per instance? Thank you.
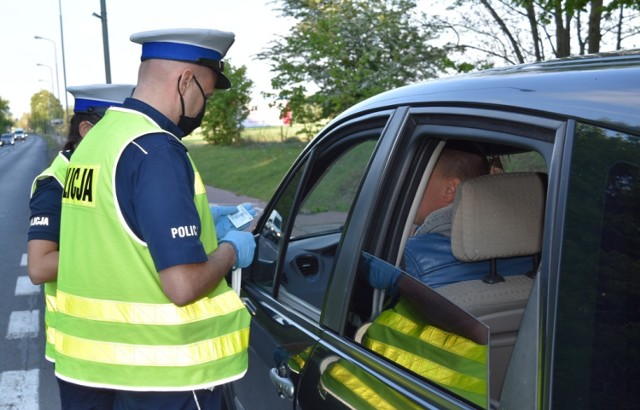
(495, 217)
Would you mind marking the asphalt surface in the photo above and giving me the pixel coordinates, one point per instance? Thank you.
(222, 197)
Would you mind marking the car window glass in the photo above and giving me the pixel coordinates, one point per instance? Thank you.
(599, 291)
(318, 224)
(424, 332)
(530, 161)
(298, 242)
(325, 208)
(271, 239)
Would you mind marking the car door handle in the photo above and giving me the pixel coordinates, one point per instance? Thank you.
(284, 385)
(249, 305)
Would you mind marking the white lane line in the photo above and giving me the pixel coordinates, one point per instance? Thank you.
(25, 287)
(23, 324)
(19, 390)
(23, 261)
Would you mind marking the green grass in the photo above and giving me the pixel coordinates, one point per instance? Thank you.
(251, 169)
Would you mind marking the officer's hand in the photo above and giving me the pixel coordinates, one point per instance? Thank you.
(222, 223)
(381, 275)
(244, 244)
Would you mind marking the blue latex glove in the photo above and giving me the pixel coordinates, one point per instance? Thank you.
(381, 275)
(244, 244)
(223, 224)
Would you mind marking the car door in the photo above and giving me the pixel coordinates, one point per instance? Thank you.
(388, 199)
(298, 237)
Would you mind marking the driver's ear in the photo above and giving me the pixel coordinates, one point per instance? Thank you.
(451, 188)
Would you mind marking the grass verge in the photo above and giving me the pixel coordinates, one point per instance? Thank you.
(252, 169)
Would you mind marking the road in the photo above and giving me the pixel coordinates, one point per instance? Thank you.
(26, 378)
(27, 381)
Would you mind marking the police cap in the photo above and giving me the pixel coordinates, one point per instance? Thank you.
(96, 98)
(201, 46)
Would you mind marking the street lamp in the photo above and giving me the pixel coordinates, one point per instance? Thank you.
(47, 81)
(50, 72)
(55, 54)
(64, 66)
(44, 123)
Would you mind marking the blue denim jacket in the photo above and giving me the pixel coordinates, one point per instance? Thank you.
(429, 258)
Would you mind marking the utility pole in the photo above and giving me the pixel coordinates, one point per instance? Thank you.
(105, 39)
(64, 65)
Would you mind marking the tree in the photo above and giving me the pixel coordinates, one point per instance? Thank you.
(228, 109)
(5, 115)
(340, 52)
(44, 108)
(520, 31)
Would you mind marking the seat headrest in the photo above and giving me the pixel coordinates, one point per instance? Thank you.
(498, 216)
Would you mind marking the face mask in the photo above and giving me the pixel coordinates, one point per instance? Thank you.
(188, 124)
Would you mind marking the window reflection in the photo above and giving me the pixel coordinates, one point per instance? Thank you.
(427, 334)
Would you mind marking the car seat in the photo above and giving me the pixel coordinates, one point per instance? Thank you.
(495, 217)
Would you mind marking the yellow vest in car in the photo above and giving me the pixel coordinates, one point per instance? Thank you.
(454, 362)
(57, 170)
(115, 327)
(359, 389)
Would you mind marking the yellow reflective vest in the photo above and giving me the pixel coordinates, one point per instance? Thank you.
(452, 361)
(115, 327)
(57, 170)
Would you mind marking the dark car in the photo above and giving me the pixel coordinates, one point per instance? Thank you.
(563, 334)
(7, 139)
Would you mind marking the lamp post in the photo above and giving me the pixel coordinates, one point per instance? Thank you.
(55, 55)
(47, 81)
(50, 72)
(44, 123)
(48, 99)
(64, 66)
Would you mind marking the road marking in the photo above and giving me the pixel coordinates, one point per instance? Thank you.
(23, 261)
(23, 324)
(19, 390)
(25, 287)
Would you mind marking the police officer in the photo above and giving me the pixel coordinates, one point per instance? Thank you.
(143, 306)
(91, 102)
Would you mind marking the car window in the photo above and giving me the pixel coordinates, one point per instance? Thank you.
(326, 206)
(413, 338)
(598, 323)
(299, 241)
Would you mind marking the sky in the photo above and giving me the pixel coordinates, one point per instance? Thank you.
(29, 65)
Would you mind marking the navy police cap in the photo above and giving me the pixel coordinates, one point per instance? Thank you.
(96, 98)
(201, 46)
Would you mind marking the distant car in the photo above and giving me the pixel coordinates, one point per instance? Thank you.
(7, 139)
(20, 134)
(565, 334)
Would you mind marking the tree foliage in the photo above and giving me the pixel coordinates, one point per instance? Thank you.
(44, 108)
(5, 115)
(340, 52)
(228, 109)
(520, 31)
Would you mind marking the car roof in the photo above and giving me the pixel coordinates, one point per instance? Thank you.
(603, 88)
